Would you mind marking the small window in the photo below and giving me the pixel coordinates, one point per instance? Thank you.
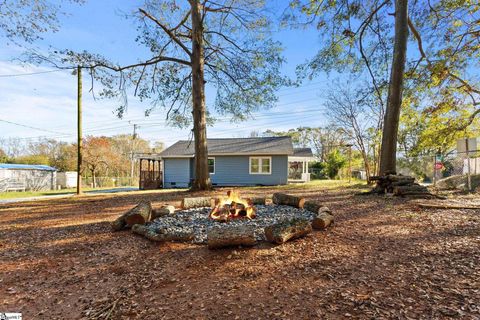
(211, 165)
(260, 165)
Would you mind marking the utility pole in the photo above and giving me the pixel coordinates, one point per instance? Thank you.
(79, 130)
(132, 164)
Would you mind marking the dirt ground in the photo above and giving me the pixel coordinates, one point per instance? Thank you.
(384, 258)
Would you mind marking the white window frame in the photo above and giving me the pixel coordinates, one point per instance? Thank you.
(214, 164)
(260, 162)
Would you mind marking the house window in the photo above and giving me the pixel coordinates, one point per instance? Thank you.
(211, 165)
(260, 165)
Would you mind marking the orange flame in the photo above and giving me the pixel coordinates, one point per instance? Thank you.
(233, 206)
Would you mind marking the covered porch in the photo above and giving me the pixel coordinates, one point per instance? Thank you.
(298, 165)
(151, 176)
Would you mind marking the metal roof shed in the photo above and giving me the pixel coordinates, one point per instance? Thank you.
(15, 177)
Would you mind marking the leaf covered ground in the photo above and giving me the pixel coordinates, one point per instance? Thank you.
(384, 258)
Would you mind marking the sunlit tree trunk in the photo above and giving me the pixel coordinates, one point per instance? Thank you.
(202, 177)
(392, 114)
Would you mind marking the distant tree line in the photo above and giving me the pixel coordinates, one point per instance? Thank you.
(103, 156)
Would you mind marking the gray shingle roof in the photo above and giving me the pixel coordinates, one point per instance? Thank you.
(302, 152)
(234, 146)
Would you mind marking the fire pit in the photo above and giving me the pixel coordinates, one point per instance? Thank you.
(227, 214)
(228, 221)
(232, 207)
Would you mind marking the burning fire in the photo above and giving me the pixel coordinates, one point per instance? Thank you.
(232, 207)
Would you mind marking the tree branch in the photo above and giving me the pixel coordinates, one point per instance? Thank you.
(167, 31)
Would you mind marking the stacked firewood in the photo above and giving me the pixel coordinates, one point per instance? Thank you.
(400, 185)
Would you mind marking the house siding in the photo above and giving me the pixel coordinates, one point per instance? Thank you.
(234, 171)
(229, 171)
(176, 172)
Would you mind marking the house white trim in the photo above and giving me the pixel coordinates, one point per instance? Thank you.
(260, 162)
(214, 165)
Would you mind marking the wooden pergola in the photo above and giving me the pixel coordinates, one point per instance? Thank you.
(151, 175)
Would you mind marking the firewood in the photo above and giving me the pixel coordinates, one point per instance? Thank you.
(289, 200)
(220, 237)
(315, 207)
(162, 234)
(287, 230)
(163, 211)
(448, 206)
(197, 202)
(411, 189)
(140, 214)
(119, 223)
(322, 221)
(257, 201)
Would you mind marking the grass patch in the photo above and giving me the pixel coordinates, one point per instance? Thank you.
(29, 194)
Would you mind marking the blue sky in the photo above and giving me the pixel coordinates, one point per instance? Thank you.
(47, 102)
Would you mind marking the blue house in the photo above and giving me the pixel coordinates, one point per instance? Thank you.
(233, 162)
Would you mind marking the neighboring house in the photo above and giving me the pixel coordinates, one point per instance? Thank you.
(21, 177)
(231, 162)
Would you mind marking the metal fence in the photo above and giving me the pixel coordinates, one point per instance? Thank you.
(455, 170)
(110, 182)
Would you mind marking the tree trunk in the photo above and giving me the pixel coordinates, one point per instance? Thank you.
(94, 182)
(197, 202)
(286, 199)
(395, 90)
(287, 230)
(140, 214)
(230, 236)
(163, 234)
(143, 209)
(315, 207)
(408, 190)
(202, 177)
(167, 210)
(322, 221)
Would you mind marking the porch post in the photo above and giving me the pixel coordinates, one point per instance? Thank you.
(140, 175)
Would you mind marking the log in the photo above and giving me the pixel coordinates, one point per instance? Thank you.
(289, 200)
(316, 207)
(322, 221)
(257, 201)
(287, 230)
(162, 234)
(197, 202)
(399, 178)
(220, 237)
(448, 206)
(411, 189)
(140, 213)
(163, 211)
(119, 223)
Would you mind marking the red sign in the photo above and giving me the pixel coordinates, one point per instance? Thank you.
(438, 166)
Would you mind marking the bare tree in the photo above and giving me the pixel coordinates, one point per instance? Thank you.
(224, 44)
(351, 111)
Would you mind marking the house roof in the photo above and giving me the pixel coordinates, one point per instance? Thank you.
(234, 146)
(303, 152)
(26, 167)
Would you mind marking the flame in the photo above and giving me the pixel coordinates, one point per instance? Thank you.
(233, 206)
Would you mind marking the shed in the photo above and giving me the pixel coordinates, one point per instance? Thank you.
(67, 179)
(21, 177)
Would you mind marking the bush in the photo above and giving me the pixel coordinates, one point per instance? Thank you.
(335, 162)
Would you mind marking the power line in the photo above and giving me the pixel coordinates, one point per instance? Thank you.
(30, 127)
(28, 74)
